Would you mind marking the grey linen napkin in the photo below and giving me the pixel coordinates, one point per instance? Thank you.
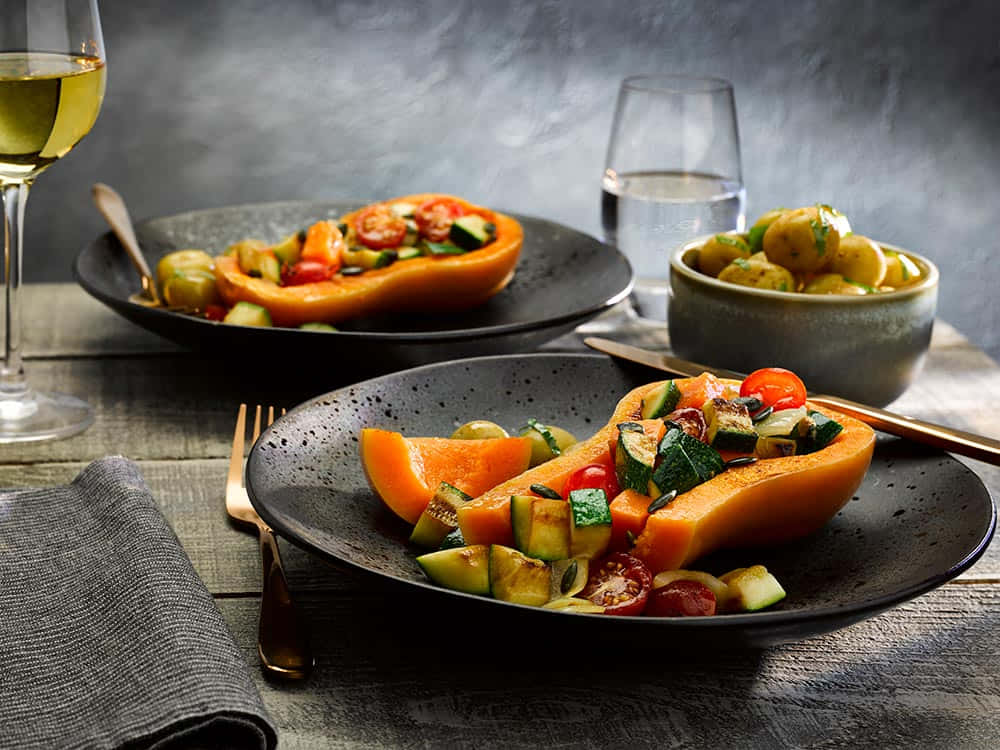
(108, 638)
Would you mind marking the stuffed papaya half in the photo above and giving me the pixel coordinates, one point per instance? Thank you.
(425, 252)
(738, 482)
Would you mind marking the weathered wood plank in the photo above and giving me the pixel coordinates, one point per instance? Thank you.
(397, 672)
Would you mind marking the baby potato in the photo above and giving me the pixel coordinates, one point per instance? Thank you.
(183, 260)
(805, 239)
(479, 429)
(899, 270)
(859, 259)
(759, 274)
(755, 236)
(192, 288)
(721, 250)
(832, 283)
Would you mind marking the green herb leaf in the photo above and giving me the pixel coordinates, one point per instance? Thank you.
(742, 263)
(820, 230)
(726, 239)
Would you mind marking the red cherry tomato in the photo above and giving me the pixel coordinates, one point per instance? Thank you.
(214, 312)
(435, 217)
(306, 272)
(379, 227)
(776, 387)
(593, 476)
(620, 583)
(692, 421)
(681, 599)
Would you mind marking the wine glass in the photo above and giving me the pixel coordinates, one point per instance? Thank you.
(672, 173)
(52, 79)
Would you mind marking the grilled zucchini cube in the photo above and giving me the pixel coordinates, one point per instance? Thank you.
(752, 588)
(661, 401)
(460, 569)
(590, 523)
(289, 249)
(515, 577)
(635, 455)
(471, 231)
(675, 472)
(705, 459)
(540, 526)
(440, 517)
(817, 432)
(775, 447)
(729, 426)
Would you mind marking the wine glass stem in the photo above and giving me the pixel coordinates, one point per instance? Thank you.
(12, 380)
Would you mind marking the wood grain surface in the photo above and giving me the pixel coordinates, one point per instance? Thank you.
(392, 674)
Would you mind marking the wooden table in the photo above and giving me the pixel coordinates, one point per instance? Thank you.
(389, 674)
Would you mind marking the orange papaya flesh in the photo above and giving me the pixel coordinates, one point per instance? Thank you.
(486, 519)
(767, 502)
(629, 511)
(405, 472)
(770, 501)
(696, 391)
(426, 284)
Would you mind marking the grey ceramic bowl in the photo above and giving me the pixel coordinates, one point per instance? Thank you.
(867, 348)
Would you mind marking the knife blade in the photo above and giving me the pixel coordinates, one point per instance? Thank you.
(969, 444)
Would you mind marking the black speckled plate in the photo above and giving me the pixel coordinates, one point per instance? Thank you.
(919, 519)
(563, 278)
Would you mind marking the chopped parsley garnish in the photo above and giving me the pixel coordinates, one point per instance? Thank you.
(725, 239)
(820, 230)
(783, 286)
(742, 263)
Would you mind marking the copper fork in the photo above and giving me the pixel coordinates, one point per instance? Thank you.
(282, 639)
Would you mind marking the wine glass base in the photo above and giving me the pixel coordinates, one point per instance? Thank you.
(36, 416)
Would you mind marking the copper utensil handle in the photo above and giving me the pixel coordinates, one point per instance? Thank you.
(968, 444)
(112, 208)
(282, 638)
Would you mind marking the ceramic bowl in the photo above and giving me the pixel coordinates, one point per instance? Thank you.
(867, 348)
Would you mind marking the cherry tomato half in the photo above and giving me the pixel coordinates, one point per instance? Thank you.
(620, 583)
(692, 421)
(593, 476)
(435, 217)
(775, 387)
(379, 227)
(306, 272)
(681, 599)
(214, 312)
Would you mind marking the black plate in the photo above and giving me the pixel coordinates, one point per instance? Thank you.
(564, 277)
(919, 519)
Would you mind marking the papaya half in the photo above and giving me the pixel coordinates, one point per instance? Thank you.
(770, 501)
(425, 284)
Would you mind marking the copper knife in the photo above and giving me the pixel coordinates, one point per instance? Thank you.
(968, 444)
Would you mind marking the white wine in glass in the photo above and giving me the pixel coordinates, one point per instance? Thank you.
(52, 79)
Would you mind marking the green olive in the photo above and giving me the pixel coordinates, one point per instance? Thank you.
(721, 250)
(540, 450)
(479, 429)
(182, 260)
(805, 239)
(193, 288)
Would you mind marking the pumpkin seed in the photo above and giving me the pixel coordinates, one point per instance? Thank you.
(752, 403)
(630, 538)
(740, 461)
(542, 491)
(351, 271)
(569, 576)
(662, 501)
(763, 414)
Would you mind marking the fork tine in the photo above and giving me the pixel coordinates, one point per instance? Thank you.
(270, 415)
(256, 427)
(236, 458)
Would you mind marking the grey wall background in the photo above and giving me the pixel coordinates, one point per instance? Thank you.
(888, 110)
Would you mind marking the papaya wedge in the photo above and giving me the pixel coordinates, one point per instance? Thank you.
(405, 472)
(426, 284)
(770, 501)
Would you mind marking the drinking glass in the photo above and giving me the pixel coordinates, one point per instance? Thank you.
(52, 79)
(672, 173)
